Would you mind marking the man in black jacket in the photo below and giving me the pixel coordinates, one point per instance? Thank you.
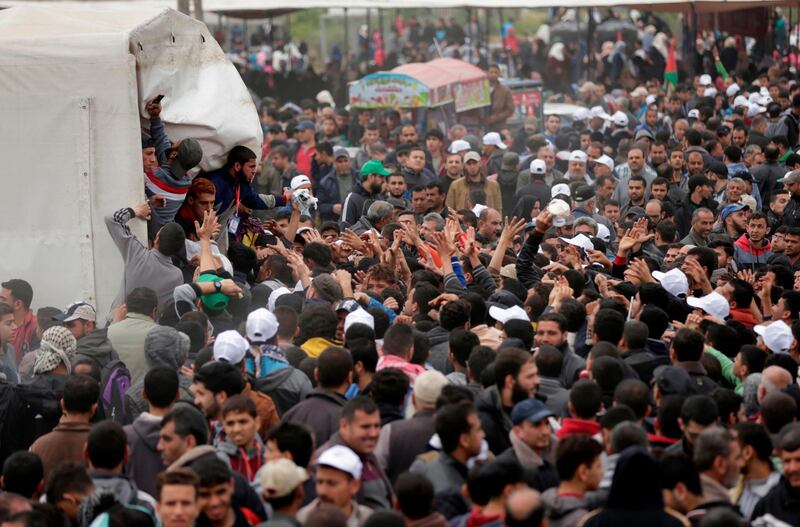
(783, 501)
(367, 190)
(516, 380)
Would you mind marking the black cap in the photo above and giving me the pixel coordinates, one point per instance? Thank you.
(718, 168)
(583, 193)
(672, 380)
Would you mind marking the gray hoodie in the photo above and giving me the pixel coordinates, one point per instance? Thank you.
(97, 347)
(114, 487)
(144, 461)
(163, 346)
(563, 511)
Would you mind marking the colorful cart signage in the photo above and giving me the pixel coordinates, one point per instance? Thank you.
(424, 85)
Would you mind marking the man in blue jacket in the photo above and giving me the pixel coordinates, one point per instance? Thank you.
(235, 196)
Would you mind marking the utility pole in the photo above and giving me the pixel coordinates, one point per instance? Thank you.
(198, 10)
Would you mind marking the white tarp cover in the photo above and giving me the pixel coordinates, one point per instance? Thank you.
(70, 108)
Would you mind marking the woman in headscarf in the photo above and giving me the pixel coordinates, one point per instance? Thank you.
(635, 497)
(528, 207)
(55, 352)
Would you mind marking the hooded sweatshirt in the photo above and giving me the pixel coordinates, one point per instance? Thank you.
(144, 462)
(97, 347)
(564, 510)
(120, 488)
(163, 346)
(749, 257)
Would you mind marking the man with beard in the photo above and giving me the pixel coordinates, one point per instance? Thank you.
(338, 480)
(474, 188)
(634, 167)
(702, 223)
(733, 222)
(235, 196)
(516, 379)
(636, 194)
(552, 330)
(576, 169)
(364, 192)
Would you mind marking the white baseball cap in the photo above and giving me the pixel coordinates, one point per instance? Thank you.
(341, 458)
(597, 111)
(650, 99)
(694, 113)
(674, 281)
(538, 166)
(274, 295)
(581, 114)
(732, 90)
(777, 336)
(605, 160)
(578, 155)
(579, 240)
(510, 313)
(710, 92)
(561, 188)
(493, 138)
(459, 145)
(755, 110)
(298, 181)
(740, 100)
(603, 232)
(230, 347)
(705, 80)
(261, 325)
(359, 316)
(713, 303)
(620, 119)
(478, 208)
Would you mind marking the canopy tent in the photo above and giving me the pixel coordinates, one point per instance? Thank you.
(73, 81)
(268, 8)
(424, 85)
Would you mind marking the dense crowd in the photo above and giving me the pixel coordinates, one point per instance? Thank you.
(591, 320)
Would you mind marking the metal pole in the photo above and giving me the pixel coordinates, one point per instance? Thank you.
(323, 40)
(346, 47)
(590, 27)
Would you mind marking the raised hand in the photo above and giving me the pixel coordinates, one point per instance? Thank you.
(206, 230)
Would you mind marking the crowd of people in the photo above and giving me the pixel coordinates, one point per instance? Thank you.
(591, 320)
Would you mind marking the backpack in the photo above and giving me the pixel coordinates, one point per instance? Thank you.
(33, 411)
(115, 379)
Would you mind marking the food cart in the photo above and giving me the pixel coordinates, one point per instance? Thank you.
(436, 90)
